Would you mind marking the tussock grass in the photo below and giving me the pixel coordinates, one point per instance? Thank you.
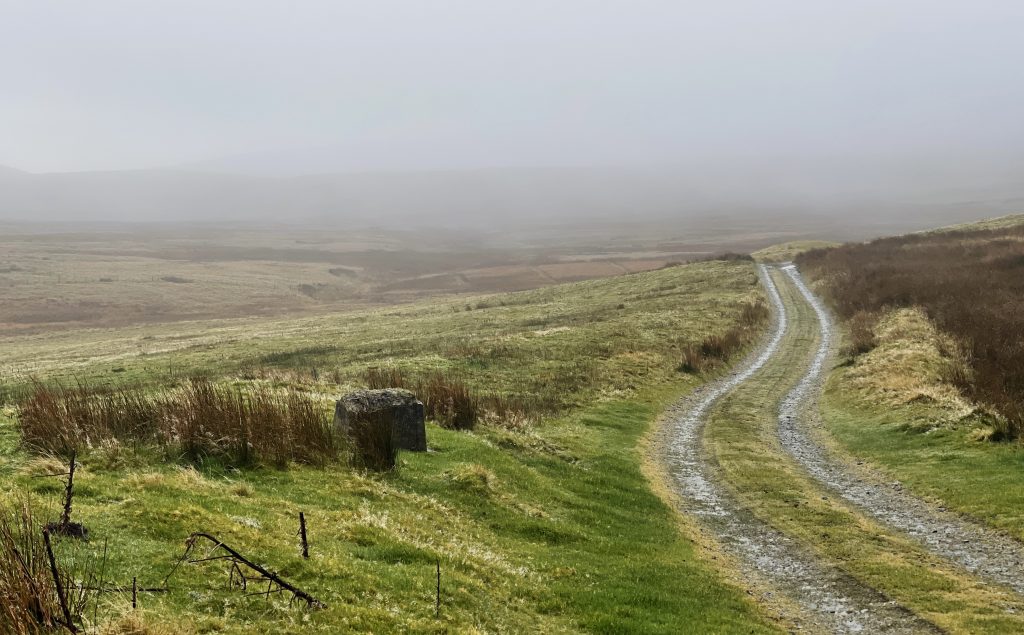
(472, 477)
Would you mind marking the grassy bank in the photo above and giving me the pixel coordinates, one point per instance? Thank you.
(967, 281)
(545, 526)
(949, 465)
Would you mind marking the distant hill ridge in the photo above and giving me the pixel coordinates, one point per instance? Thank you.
(483, 197)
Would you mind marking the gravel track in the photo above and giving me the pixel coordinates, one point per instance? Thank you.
(829, 599)
(982, 551)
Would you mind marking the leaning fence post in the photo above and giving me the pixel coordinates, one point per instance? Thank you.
(69, 491)
(437, 600)
(56, 582)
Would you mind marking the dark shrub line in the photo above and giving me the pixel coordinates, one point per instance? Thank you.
(715, 349)
(970, 283)
(449, 401)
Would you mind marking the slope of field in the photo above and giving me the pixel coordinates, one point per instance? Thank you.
(52, 280)
(934, 372)
(56, 277)
(545, 526)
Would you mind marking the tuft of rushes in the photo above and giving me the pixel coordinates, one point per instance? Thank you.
(720, 347)
(198, 420)
(372, 443)
(28, 598)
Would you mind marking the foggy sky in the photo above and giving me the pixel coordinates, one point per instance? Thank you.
(286, 88)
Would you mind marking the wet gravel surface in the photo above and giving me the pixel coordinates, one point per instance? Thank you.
(829, 599)
(980, 550)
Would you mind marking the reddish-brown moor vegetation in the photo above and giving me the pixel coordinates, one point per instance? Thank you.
(970, 283)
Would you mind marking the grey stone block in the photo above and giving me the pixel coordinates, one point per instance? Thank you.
(391, 406)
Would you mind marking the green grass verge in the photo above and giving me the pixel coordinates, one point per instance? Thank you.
(529, 537)
(981, 479)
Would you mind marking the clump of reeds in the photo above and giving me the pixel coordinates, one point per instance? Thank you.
(754, 314)
(449, 401)
(60, 419)
(246, 425)
(372, 442)
(384, 377)
(691, 360)
(717, 348)
(446, 397)
(200, 419)
(29, 602)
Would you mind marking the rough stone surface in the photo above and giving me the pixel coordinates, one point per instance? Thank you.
(398, 407)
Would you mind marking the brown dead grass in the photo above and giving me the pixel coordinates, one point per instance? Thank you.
(911, 362)
(197, 420)
(716, 349)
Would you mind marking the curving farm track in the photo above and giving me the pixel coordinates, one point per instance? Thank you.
(765, 411)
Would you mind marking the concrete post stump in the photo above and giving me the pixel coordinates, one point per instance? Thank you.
(391, 406)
